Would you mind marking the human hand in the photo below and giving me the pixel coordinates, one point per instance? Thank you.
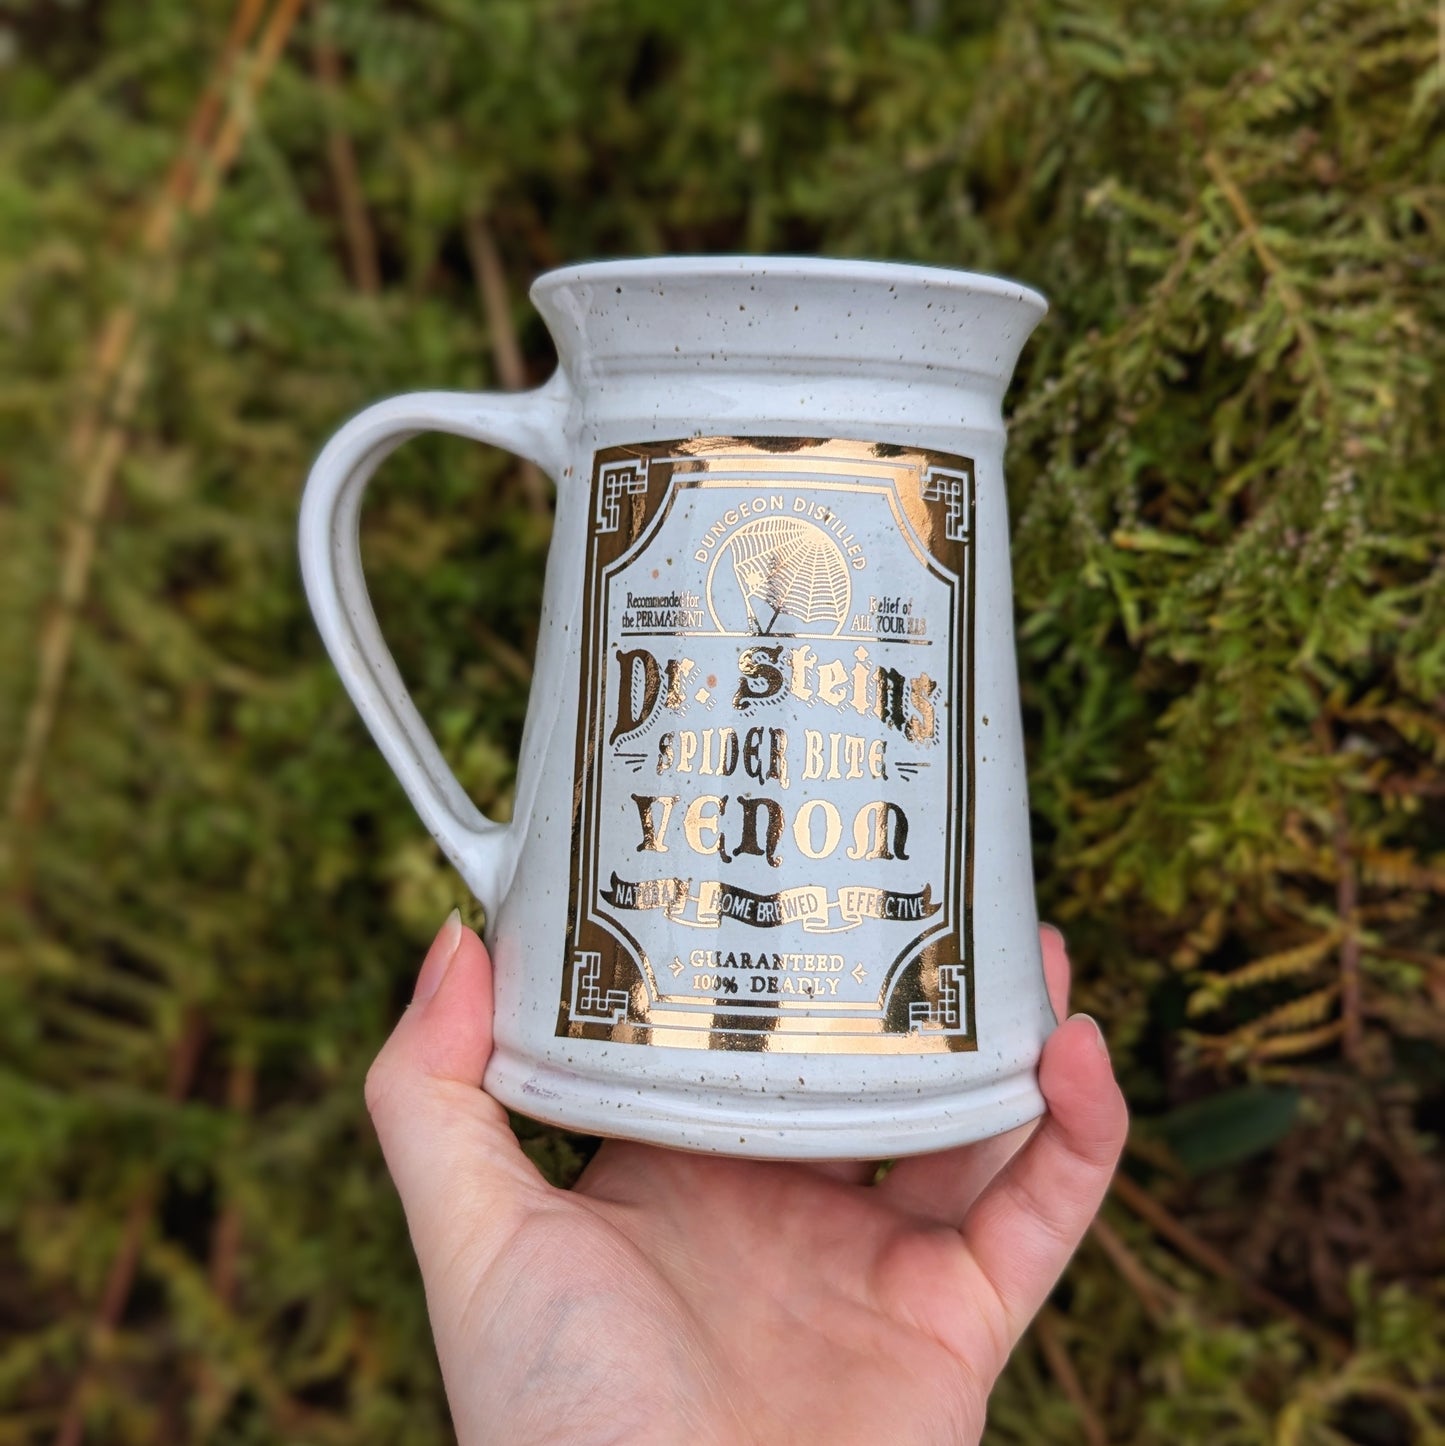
(684, 1298)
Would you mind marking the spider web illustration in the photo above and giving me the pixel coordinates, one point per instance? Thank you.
(792, 567)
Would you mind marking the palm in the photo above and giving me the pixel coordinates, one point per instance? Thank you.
(814, 1301)
(684, 1297)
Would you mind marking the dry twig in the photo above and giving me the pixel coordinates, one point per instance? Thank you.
(1347, 899)
(211, 1396)
(1202, 1253)
(119, 331)
(346, 176)
(1346, 869)
(237, 121)
(119, 1281)
(1154, 1295)
(100, 437)
(57, 636)
(491, 280)
(1051, 1343)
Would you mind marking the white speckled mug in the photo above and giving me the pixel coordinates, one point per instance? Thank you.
(767, 890)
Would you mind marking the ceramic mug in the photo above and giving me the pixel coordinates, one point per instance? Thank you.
(767, 886)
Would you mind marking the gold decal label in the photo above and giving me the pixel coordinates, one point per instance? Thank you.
(773, 801)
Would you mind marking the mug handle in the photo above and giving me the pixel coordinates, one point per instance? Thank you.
(527, 423)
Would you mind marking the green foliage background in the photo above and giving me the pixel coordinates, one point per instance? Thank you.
(1227, 479)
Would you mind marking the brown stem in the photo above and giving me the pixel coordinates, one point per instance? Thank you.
(211, 1395)
(1202, 1253)
(227, 143)
(1347, 898)
(120, 1279)
(119, 330)
(103, 454)
(1046, 1329)
(1411, 956)
(1347, 903)
(1406, 787)
(513, 660)
(226, 1238)
(491, 279)
(346, 176)
(57, 635)
(1152, 1292)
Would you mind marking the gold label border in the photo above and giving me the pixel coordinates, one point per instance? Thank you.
(609, 989)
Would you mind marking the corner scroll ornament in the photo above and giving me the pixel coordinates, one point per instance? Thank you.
(614, 481)
(945, 1016)
(589, 1002)
(951, 488)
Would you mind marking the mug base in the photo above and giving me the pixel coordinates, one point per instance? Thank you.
(773, 1127)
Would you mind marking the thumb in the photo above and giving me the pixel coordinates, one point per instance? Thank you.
(463, 1179)
(1028, 1222)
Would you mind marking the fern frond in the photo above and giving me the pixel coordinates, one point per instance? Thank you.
(1297, 962)
(1287, 1046)
(1298, 1014)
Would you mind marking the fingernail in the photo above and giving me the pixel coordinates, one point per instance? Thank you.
(438, 958)
(1098, 1034)
(1058, 934)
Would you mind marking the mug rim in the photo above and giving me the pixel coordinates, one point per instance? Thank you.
(782, 267)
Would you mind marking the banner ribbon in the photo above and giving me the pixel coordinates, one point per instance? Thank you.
(810, 905)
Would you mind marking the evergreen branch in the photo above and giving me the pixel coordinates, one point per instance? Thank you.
(1401, 869)
(185, 1283)
(1196, 553)
(1280, 1030)
(1290, 1017)
(1288, 293)
(1284, 1046)
(1270, 969)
